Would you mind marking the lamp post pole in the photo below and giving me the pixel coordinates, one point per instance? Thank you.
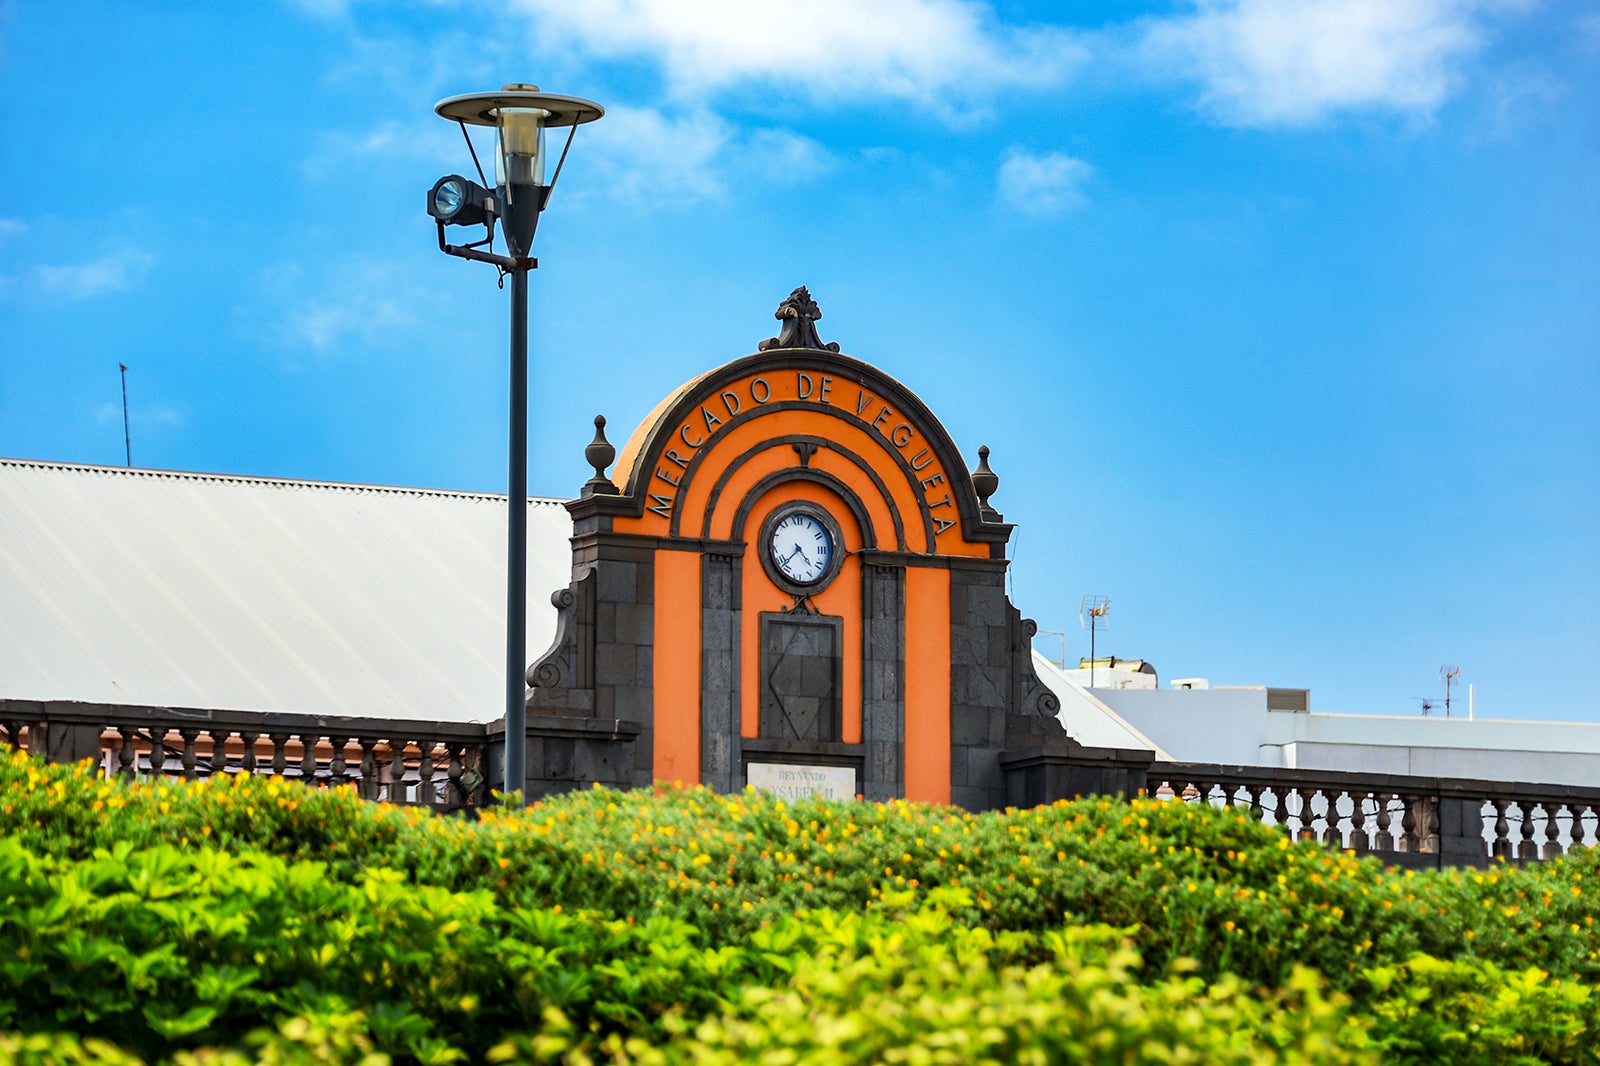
(516, 749)
(520, 114)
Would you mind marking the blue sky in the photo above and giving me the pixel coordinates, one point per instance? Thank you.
(1282, 319)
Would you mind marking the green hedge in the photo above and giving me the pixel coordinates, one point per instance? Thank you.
(254, 918)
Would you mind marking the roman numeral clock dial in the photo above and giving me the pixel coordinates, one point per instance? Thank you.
(801, 548)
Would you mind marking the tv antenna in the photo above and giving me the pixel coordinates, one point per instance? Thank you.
(1092, 615)
(127, 441)
(1062, 662)
(1427, 704)
(1448, 674)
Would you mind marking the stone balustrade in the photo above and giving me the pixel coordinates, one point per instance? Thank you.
(416, 763)
(1408, 821)
(1404, 820)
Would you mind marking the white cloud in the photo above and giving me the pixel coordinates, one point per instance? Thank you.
(1043, 185)
(430, 140)
(1292, 62)
(639, 153)
(1519, 96)
(922, 50)
(356, 303)
(10, 227)
(110, 273)
(1589, 29)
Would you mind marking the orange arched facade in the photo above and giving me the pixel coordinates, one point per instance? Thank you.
(791, 573)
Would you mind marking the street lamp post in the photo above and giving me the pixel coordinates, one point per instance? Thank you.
(520, 114)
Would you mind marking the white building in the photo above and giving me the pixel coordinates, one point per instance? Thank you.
(1258, 725)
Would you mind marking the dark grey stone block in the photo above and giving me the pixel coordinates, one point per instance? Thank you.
(617, 664)
(983, 768)
(633, 623)
(969, 726)
(618, 582)
(972, 799)
(632, 703)
(558, 755)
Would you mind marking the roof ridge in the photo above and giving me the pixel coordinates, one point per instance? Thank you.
(198, 475)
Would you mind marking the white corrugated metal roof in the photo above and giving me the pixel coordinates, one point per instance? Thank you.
(198, 590)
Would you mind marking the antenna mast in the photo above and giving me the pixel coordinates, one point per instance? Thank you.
(1448, 674)
(1092, 616)
(1062, 662)
(127, 441)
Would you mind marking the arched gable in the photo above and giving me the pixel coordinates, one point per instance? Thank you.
(833, 411)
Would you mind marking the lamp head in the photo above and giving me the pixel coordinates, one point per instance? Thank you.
(519, 114)
(457, 201)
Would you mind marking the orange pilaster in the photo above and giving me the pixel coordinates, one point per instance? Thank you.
(927, 750)
(677, 667)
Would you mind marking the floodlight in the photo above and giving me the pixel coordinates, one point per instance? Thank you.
(456, 201)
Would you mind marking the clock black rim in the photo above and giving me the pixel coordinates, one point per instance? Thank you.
(770, 565)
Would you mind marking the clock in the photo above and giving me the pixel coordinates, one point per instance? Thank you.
(801, 548)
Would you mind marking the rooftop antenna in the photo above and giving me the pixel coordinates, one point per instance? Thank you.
(127, 441)
(1448, 674)
(1092, 615)
(1062, 662)
(1427, 704)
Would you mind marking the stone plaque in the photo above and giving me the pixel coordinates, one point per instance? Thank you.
(793, 781)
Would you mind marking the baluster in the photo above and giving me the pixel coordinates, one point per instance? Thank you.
(425, 772)
(188, 759)
(217, 761)
(1518, 827)
(454, 797)
(1280, 813)
(1293, 803)
(1558, 813)
(1358, 822)
(368, 788)
(1408, 839)
(1383, 840)
(1325, 827)
(394, 772)
(336, 763)
(1294, 818)
(1430, 825)
(1544, 817)
(308, 758)
(280, 754)
(473, 777)
(1190, 792)
(1581, 817)
(127, 756)
(1528, 847)
(1502, 832)
(247, 757)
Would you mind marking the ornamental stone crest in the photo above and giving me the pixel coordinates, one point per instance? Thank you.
(799, 314)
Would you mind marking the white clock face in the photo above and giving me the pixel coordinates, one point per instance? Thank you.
(801, 548)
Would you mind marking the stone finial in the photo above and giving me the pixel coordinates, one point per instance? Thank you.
(799, 314)
(985, 482)
(599, 454)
